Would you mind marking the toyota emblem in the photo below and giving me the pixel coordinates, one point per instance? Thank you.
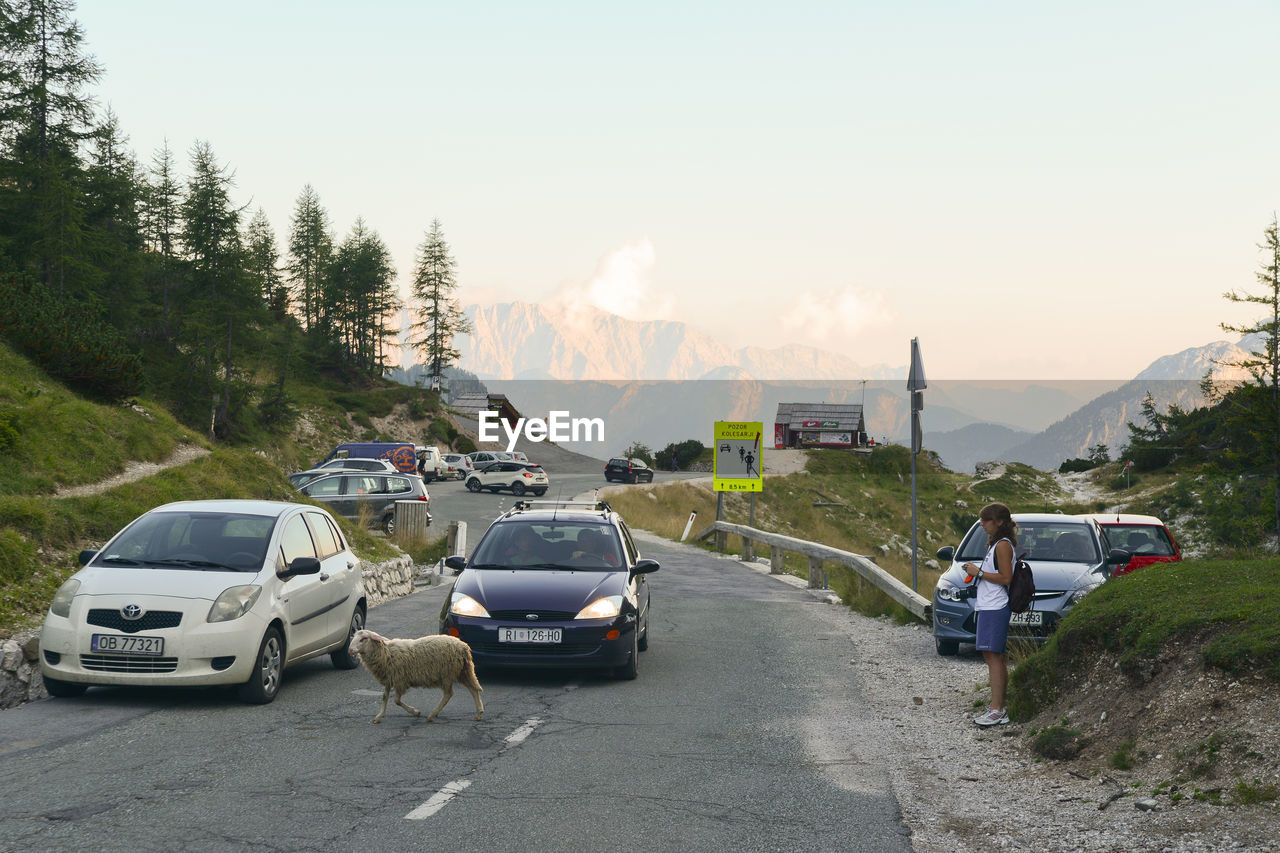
(131, 612)
(532, 617)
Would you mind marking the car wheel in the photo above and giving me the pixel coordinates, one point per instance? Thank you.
(539, 492)
(946, 648)
(473, 485)
(342, 658)
(627, 671)
(390, 524)
(517, 489)
(268, 668)
(642, 644)
(63, 689)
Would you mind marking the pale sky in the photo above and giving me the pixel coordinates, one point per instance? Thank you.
(1080, 180)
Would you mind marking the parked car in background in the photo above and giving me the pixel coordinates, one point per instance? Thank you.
(206, 593)
(300, 478)
(563, 586)
(456, 465)
(401, 454)
(1069, 555)
(372, 496)
(626, 470)
(480, 458)
(517, 477)
(1143, 536)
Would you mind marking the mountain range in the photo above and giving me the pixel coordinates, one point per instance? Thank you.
(664, 381)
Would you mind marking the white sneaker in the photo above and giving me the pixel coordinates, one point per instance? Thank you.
(992, 717)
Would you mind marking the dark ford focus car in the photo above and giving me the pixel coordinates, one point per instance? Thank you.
(1070, 557)
(562, 586)
(628, 471)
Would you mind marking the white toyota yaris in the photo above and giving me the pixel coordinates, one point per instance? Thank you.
(206, 593)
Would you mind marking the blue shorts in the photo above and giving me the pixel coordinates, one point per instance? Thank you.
(993, 630)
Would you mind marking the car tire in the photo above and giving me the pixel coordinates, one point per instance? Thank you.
(627, 672)
(642, 644)
(389, 524)
(517, 489)
(473, 485)
(268, 669)
(64, 689)
(342, 658)
(946, 648)
(539, 492)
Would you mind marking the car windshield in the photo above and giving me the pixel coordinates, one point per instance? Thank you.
(1053, 541)
(524, 545)
(199, 541)
(1146, 539)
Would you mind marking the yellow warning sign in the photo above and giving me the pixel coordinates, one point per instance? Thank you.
(738, 456)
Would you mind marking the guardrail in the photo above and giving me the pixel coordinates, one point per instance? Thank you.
(916, 604)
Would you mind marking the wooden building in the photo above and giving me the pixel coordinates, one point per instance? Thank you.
(819, 425)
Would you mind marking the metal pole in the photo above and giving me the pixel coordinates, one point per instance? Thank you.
(914, 531)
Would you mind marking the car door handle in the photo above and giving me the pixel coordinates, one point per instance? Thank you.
(324, 577)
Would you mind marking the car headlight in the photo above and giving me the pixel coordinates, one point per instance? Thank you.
(948, 591)
(465, 605)
(602, 608)
(234, 603)
(62, 598)
(1081, 593)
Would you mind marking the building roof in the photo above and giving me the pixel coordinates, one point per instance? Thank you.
(471, 404)
(840, 416)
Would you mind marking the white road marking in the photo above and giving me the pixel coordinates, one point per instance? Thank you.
(442, 797)
(439, 800)
(517, 737)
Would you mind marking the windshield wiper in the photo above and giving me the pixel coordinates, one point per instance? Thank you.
(119, 561)
(203, 565)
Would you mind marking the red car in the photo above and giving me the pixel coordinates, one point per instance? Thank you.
(1143, 536)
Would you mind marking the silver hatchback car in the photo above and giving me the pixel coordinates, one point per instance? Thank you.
(1069, 555)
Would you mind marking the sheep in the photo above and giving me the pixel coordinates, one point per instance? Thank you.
(436, 660)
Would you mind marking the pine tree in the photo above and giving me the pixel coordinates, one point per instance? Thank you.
(442, 318)
(361, 298)
(45, 114)
(310, 252)
(1254, 407)
(263, 260)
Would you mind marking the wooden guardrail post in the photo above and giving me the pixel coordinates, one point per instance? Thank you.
(775, 560)
(412, 519)
(748, 550)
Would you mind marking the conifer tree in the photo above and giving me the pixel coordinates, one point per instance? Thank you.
(310, 252)
(434, 282)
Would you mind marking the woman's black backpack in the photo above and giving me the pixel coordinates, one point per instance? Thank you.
(1022, 588)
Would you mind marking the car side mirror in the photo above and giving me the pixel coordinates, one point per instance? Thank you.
(1118, 557)
(87, 555)
(643, 567)
(456, 563)
(303, 566)
(946, 552)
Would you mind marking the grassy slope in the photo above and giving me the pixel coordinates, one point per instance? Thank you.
(63, 440)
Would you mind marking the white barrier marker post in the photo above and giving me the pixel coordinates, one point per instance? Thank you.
(689, 525)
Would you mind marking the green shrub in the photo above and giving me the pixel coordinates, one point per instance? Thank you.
(17, 556)
(1059, 743)
(69, 341)
(465, 445)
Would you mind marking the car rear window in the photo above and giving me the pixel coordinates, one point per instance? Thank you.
(1144, 539)
(535, 469)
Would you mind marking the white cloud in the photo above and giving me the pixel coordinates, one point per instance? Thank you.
(620, 285)
(829, 318)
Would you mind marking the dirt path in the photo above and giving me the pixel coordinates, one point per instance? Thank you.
(181, 455)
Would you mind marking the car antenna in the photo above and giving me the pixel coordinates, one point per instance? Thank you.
(559, 495)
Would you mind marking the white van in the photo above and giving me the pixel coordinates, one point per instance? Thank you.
(430, 465)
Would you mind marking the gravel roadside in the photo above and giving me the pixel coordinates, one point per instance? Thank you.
(964, 788)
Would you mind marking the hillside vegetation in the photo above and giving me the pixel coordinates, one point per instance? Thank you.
(52, 439)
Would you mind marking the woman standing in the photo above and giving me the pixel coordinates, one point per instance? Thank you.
(992, 605)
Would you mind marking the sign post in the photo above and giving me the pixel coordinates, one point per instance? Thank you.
(738, 463)
(915, 387)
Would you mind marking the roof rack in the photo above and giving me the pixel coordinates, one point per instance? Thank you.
(521, 506)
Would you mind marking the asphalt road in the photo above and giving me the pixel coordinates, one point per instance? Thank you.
(744, 731)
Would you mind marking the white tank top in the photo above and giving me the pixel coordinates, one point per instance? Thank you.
(991, 595)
